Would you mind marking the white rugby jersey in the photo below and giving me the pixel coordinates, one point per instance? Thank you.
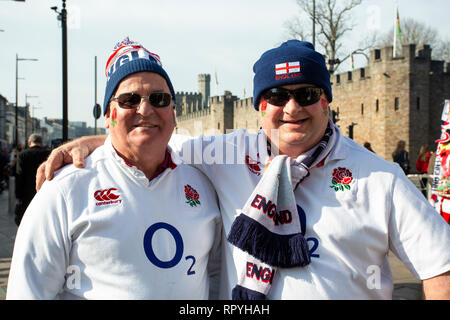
(107, 232)
(351, 224)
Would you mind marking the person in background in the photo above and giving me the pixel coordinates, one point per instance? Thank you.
(423, 159)
(27, 163)
(400, 156)
(422, 163)
(368, 146)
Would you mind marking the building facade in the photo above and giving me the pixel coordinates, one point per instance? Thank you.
(393, 99)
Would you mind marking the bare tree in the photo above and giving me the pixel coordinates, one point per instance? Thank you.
(333, 23)
(419, 33)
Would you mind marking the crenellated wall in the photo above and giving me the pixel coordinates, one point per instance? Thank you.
(393, 99)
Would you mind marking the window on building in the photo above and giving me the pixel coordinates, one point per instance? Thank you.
(377, 105)
(363, 72)
(349, 76)
(396, 103)
(377, 54)
(218, 125)
(338, 78)
(362, 108)
(418, 103)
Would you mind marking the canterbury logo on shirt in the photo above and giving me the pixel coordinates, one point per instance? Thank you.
(107, 196)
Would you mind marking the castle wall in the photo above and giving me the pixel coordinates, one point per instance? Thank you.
(187, 102)
(216, 119)
(410, 91)
(204, 81)
(245, 115)
(195, 123)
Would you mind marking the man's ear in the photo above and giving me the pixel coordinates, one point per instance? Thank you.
(174, 117)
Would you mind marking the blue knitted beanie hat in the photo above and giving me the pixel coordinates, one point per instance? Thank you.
(293, 62)
(130, 57)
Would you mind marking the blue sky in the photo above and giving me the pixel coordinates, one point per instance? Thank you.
(191, 37)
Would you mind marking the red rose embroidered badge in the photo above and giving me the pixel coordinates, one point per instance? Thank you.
(341, 179)
(191, 196)
(253, 165)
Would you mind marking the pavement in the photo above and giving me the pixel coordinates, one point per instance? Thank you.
(406, 287)
(8, 231)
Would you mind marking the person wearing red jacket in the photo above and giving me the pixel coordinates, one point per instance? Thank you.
(423, 159)
(422, 165)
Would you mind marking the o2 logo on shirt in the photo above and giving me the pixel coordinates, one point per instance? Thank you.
(311, 240)
(179, 245)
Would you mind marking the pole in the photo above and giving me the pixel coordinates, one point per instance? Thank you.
(64, 71)
(95, 91)
(394, 47)
(27, 112)
(314, 24)
(26, 118)
(16, 142)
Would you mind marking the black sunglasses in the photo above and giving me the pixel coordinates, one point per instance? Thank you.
(303, 96)
(133, 100)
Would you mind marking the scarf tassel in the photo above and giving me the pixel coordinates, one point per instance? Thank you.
(241, 293)
(285, 251)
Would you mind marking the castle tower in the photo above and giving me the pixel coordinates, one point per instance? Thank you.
(392, 99)
(204, 81)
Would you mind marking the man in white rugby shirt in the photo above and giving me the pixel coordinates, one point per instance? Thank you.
(353, 206)
(135, 223)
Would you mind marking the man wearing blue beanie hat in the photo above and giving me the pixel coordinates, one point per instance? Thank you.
(307, 212)
(292, 70)
(293, 62)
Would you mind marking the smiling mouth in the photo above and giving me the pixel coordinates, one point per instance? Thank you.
(145, 125)
(294, 122)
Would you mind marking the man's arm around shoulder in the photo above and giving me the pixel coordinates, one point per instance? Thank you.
(437, 288)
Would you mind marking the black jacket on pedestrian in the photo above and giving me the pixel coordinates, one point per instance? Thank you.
(28, 162)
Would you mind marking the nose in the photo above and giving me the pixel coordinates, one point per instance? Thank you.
(145, 107)
(291, 106)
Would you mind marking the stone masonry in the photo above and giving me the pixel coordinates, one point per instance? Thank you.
(393, 99)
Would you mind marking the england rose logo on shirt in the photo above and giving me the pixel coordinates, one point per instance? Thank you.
(342, 177)
(253, 165)
(192, 196)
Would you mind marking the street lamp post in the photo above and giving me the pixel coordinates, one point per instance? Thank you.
(63, 17)
(26, 114)
(16, 139)
(97, 110)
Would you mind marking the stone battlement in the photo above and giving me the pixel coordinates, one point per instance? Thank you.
(243, 103)
(195, 114)
(383, 60)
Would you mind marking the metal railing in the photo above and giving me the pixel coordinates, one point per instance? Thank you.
(422, 182)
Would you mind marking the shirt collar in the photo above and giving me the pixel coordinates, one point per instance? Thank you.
(168, 162)
(339, 150)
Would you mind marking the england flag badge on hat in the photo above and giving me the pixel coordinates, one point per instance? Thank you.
(287, 67)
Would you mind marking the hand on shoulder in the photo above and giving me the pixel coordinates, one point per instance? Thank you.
(72, 152)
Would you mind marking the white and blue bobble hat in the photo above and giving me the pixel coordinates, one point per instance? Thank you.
(130, 57)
